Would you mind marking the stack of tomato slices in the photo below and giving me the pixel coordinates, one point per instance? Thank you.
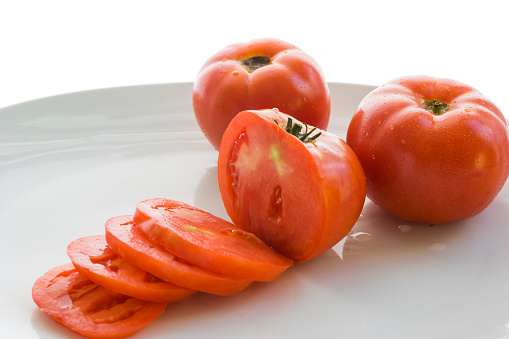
(122, 280)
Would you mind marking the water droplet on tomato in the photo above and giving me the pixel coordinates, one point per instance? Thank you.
(403, 141)
(372, 156)
(235, 73)
(467, 109)
(225, 72)
(392, 127)
(436, 247)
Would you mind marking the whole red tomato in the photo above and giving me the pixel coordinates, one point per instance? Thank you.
(259, 74)
(433, 150)
(297, 188)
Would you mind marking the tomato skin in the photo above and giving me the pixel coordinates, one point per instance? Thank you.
(292, 82)
(425, 167)
(127, 239)
(320, 185)
(91, 310)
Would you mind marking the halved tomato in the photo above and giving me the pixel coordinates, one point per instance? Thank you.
(89, 309)
(127, 239)
(93, 258)
(300, 189)
(208, 241)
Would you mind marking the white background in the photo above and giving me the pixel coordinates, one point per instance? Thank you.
(399, 282)
(54, 47)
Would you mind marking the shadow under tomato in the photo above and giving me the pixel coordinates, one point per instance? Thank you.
(207, 196)
(378, 235)
(210, 316)
(47, 328)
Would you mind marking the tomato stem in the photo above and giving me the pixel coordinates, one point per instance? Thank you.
(436, 107)
(253, 63)
(295, 129)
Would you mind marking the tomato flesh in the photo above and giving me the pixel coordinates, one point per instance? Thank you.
(89, 309)
(93, 258)
(208, 241)
(266, 178)
(127, 239)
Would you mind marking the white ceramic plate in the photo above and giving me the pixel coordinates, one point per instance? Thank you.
(70, 162)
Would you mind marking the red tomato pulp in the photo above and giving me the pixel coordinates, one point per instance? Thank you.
(208, 241)
(91, 310)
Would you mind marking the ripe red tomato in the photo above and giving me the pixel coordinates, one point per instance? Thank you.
(93, 258)
(300, 195)
(434, 150)
(127, 239)
(91, 310)
(208, 241)
(259, 74)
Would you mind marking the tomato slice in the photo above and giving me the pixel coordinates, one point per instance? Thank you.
(208, 241)
(127, 239)
(93, 258)
(89, 309)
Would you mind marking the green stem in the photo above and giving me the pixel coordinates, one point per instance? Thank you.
(295, 129)
(436, 107)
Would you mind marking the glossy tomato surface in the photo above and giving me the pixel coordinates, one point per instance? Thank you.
(127, 239)
(434, 150)
(91, 310)
(259, 74)
(299, 195)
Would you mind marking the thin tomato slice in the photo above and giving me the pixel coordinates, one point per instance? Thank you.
(93, 258)
(89, 309)
(208, 241)
(128, 240)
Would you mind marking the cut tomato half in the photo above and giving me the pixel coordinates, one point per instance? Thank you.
(208, 241)
(93, 258)
(299, 188)
(127, 239)
(91, 310)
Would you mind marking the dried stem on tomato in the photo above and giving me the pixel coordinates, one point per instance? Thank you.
(253, 63)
